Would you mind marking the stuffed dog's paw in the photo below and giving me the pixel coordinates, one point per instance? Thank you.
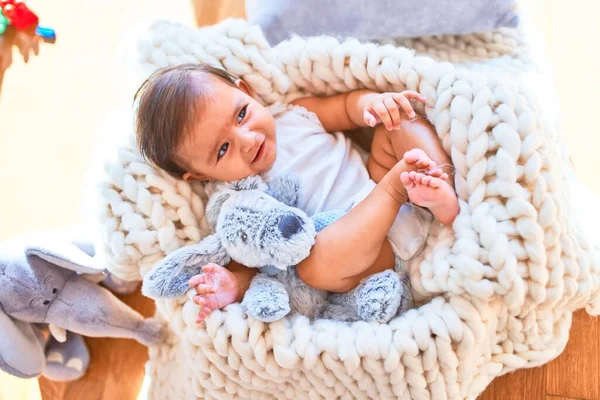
(379, 296)
(266, 300)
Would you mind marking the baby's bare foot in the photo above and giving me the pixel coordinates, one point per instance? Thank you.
(433, 193)
(417, 159)
(413, 160)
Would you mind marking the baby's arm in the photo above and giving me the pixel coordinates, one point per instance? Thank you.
(218, 287)
(361, 108)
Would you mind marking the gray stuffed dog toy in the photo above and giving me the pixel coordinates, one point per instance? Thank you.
(49, 297)
(257, 225)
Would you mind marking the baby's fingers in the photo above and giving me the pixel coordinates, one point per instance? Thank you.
(199, 300)
(392, 108)
(205, 289)
(404, 104)
(204, 312)
(209, 300)
(210, 268)
(411, 94)
(369, 118)
(197, 280)
(382, 112)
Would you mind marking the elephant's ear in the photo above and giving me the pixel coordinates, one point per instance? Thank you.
(285, 188)
(171, 276)
(62, 253)
(21, 349)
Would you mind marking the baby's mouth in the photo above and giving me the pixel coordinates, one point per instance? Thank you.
(259, 153)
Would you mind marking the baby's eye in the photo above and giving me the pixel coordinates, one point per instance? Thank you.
(242, 114)
(223, 150)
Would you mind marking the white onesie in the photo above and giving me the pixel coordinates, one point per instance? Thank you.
(334, 175)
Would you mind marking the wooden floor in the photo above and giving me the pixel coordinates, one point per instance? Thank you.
(573, 375)
(50, 108)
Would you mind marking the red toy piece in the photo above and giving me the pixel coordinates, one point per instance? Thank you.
(18, 14)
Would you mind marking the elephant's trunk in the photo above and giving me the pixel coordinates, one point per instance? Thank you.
(91, 310)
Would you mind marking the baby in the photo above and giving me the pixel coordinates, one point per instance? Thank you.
(200, 123)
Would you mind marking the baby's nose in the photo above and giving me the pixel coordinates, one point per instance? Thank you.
(289, 226)
(248, 140)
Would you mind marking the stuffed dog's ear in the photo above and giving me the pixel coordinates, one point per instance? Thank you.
(254, 182)
(286, 189)
(214, 204)
(224, 190)
(170, 278)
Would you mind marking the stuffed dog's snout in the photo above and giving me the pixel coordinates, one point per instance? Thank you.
(289, 225)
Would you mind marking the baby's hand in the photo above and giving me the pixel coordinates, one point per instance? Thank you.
(217, 287)
(384, 108)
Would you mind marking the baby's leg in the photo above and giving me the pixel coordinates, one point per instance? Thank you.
(403, 152)
(417, 143)
(343, 253)
(389, 147)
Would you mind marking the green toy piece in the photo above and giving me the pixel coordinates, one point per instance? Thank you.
(3, 23)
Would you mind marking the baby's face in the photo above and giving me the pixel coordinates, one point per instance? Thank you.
(233, 138)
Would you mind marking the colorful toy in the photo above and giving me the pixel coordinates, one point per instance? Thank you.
(15, 13)
(18, 14)
(3, 22)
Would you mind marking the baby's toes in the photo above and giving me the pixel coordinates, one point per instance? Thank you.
(419, 177)
(436, 172)
(406, 179)
(413, 156)
(426, 163)
(427, 180)
(435, 182)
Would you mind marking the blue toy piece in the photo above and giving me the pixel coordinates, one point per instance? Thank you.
(326, 218)
(47, 34)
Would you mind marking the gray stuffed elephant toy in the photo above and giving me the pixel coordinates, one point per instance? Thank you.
(257, 224)
(50, 297)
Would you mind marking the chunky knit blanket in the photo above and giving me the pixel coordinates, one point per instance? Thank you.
(496, 290)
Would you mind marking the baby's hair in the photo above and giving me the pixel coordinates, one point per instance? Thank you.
(167, 105)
